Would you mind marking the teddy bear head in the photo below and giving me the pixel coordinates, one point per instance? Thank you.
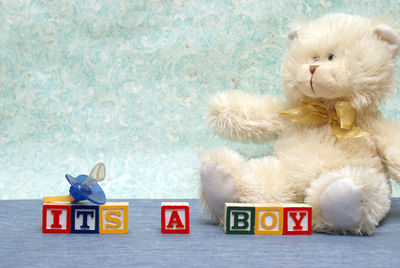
(341, 57)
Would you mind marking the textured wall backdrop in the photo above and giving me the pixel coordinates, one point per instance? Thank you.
(127, 82)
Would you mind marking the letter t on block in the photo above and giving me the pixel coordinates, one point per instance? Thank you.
(175, 218)
(297, 219)
(84, 218)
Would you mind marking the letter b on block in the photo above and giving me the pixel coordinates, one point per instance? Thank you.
(239, 218)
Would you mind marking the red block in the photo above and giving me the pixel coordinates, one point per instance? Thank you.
(56, 218)
(175, 218)
(297, 219)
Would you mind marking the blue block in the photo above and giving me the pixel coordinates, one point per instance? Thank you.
(84, 219)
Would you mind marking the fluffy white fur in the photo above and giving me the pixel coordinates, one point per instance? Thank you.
(355, 58)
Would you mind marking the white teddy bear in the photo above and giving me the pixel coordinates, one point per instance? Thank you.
(334, 150)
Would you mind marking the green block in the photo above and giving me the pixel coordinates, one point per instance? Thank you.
(239, 218)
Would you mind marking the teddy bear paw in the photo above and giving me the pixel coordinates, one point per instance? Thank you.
(218, 186)
(341, 203)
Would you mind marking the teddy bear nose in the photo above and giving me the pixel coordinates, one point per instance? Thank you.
(313, 68)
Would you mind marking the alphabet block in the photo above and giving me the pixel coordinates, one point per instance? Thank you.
(268, 219)
(239, 218)
(114, 218)
(286, 219)
(85, 217)
(297, 219)
(175, 218)
(56, 218)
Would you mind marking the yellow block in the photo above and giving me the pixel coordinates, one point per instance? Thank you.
(268, 219)
(113, 218)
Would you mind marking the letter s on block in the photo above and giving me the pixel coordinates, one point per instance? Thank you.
(116, 220)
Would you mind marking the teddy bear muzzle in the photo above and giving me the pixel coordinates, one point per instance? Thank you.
(322, 81)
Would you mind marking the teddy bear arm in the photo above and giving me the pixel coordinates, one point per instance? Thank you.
(239, 116)
(387, 139)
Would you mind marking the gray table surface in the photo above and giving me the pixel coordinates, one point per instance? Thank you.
(22, 243)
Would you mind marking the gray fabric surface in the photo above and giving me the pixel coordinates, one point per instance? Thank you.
(22, 243)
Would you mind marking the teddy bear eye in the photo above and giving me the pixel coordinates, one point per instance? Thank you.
(316, 58)
(331, 57)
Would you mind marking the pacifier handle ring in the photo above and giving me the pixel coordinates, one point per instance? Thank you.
(58, 199)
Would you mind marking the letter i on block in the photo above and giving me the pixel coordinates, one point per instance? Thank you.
(56, 218)
(268, 219)
(297, 219)
(175, 218)
(114, 218)
(84, 218)
(239, 218)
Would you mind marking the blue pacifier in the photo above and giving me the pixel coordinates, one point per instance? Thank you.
(84, 187)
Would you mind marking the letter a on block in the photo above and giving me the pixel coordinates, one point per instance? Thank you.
(114, 218)
(175, 221)
(297, 219)
(268, 219)
(56, 218)
(175, 218)
(239, 218)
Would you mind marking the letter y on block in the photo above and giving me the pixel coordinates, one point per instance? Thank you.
(297, 219)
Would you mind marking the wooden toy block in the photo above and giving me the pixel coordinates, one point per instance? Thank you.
(56, 218)
(297, 219)
(84, 218)
(239, 218)
(175, 218)
(268, 219)
(114, 218)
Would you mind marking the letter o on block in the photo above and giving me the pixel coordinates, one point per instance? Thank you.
(268, 220)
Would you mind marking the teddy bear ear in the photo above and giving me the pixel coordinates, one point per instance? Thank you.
(391, 37)
(292, 35)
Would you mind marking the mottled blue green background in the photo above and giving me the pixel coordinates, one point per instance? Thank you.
(127, 83)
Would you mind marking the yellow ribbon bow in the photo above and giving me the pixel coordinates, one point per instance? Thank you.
(317, 114)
